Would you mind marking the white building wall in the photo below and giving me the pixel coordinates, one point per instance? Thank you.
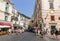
(46, 12)
(2, 6)
(57, 4)
(19, 18)
(2, 15)
(2, 10)
(45, 4)
(10, 8)
(9, 18)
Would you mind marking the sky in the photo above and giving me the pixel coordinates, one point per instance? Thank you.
(25, 7)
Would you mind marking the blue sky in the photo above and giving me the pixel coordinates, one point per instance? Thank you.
(24, 6)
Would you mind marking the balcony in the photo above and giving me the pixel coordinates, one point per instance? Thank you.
(7, 13)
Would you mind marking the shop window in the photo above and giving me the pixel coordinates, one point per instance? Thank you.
(52, 18)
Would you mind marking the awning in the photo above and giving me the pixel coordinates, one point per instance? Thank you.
(2, 24)
(7, 25)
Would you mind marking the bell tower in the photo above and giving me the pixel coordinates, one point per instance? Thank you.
(37, 15)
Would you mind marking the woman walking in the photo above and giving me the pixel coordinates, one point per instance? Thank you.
(36, 31)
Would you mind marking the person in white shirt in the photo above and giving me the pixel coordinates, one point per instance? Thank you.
(9, 31)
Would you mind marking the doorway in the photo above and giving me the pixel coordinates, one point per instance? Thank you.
(53, 29)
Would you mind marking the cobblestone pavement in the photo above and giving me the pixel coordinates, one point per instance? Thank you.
(49, 38)
(26, 36)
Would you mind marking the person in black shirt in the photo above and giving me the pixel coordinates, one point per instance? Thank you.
(56, 34)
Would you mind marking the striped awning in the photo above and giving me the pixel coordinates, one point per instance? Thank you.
(2, 24)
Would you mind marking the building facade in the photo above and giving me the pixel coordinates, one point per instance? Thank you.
(5, 14)
(10, 17)
(50, 10)
(19, 20)
(14, 19)
(24, 21)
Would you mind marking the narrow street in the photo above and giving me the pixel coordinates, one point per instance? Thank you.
(26, 36)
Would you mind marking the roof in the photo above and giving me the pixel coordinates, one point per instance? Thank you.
(24, 15)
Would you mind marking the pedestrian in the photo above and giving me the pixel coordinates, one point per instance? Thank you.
(41, 34)
(59, 31)
(56, 34)
(53, 33)
(38, 31)
(18, 30)
(44, 32)
(9, 31)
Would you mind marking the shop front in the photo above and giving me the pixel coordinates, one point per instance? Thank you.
(15, 26)
(53, 28)
(4, 27)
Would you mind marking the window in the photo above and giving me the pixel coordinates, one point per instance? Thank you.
(59, 18)
(52, 18)
(51, 6)
(22, 18)
(51, 0)
(7, 3)
(7, 7)
(13, 11)
(6, 18)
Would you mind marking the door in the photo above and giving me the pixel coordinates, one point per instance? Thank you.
(53, 29)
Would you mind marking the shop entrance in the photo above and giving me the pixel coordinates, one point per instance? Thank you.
(53, 29)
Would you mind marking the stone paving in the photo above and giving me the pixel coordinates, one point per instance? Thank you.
(50, 38)
(26, 36)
